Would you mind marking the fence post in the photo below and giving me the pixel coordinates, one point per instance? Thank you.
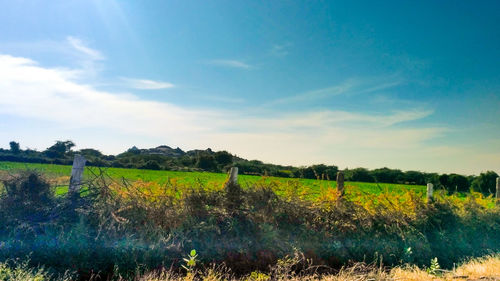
(233, 191)
(340, 183)
(233, 176)
(498, 191)
(75, 181)
(430, 191)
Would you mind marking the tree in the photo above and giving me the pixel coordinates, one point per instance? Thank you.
(444, 180)
(320, 171)
(387, 175)
(250, 167)
(59, 149)
(14, 147)
(90, 153)
(223, 158)
(151, 165)
(134, 150)
(331, 172)
(308, 173)
(485, 182)
(359, 174)
(206, 161)
(414, 177)
(457, 183)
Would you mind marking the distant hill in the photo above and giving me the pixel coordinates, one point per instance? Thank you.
(162, 150)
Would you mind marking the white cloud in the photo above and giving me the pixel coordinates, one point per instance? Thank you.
(29, 90)
(230, 63)
(144, 84)
(80, 46)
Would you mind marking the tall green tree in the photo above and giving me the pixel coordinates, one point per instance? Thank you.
(206, 161)
(223, 158)
(485, 182)
(14, 147)
(59, 149)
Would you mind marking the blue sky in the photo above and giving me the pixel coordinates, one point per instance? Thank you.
(410, 85)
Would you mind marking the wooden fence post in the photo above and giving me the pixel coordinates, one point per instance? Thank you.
(340, 183)
(498, 191)
(75, 181)
(430, 191)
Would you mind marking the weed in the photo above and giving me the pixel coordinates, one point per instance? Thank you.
(190, 261)
(434, 267)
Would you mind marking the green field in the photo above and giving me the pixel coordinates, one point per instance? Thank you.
(304, 187)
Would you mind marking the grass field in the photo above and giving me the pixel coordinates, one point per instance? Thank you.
(307, 188)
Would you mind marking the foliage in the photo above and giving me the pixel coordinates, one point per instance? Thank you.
(151, 165)
(359, 174)
(20, 271)
(485, 182)
(434, 267)
(190, 261)
(59, 149)
(27, 199)
(387, 175)
(223, 158)
(14, 147)
(206, 161)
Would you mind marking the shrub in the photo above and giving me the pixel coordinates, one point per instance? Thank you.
(28, 198)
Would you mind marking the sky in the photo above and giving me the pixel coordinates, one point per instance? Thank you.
(413, 85)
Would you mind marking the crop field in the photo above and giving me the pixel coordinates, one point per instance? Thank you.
(307, 188)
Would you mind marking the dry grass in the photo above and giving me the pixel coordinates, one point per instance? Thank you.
(487, 268)
(481, 269)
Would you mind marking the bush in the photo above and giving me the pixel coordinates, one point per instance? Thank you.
(28, 198)
(15, 271)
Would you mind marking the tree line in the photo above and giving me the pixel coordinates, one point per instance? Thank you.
(167, 158)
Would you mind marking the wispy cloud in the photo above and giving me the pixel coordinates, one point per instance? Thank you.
(230, 63)
(144, 84)
(90, 61)
(315, 94)
(80, 46)
(348, 87)
(280, 50)
(328, 119)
